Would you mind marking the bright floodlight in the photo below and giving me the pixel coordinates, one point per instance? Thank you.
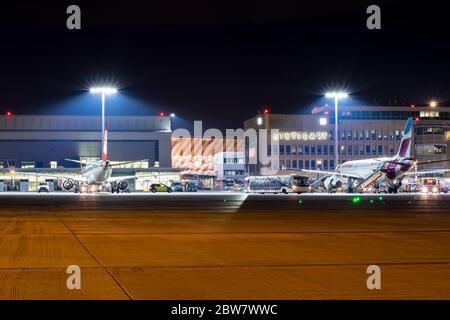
(339, 95)
(172, 115)
(433, 104)
(103, 90)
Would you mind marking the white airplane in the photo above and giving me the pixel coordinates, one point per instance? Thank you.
(96, 175)
(358, 174)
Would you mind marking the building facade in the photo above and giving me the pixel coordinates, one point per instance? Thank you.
(196, 158)
(307, 141)
(229, 166)
(38, 141)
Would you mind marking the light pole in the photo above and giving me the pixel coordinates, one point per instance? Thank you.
(172, 118)
(104, 91)
(336, 96)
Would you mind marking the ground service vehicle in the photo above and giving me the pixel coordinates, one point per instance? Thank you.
(160, 187)
(432, 185)
(43, 187)
(278, 184)
(191, 186)
(177, 187)
(412, 187)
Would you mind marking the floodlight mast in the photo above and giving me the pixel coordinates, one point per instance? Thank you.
(104, 91)
(336, 96)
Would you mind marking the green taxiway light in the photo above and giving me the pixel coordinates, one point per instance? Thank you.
(300, 201)
(371, 201)
(380, 198)
(356, 200)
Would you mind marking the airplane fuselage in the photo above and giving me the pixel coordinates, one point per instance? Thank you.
(393, 172)
(97, 174)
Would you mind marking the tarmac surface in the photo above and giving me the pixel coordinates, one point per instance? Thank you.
(224, 246)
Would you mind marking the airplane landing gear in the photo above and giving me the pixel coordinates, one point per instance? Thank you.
(392, 190)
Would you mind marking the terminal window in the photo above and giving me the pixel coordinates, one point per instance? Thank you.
(28, 164)
(426, 131)
(294, 150)
(361, 135)
(288, 150)
(331, 135)
(349, 134)
(439, 149)
(373, 135)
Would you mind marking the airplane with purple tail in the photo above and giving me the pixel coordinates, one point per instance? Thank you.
(358, 174)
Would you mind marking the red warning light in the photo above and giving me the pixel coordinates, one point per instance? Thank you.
(413, 106)
(417, 119)
(162, 114)
(266, 110)
(9, 114)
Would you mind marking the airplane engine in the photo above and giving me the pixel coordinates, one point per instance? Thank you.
(123, 185)
(68, 184)
(332, 183)
(397, 183)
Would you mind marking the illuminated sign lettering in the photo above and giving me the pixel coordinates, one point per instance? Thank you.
(300, 135)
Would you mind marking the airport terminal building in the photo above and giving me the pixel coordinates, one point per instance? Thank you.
(307, 141)
(41, 141)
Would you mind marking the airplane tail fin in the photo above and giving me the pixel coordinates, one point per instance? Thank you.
(404, 150)
(105, 145)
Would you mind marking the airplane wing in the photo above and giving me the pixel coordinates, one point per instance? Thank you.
(115, 179)
(58, 176)
(126, 162)
(87, 163)
(332, 173)
(421, 173)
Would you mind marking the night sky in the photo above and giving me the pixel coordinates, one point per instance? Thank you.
(221, 61)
